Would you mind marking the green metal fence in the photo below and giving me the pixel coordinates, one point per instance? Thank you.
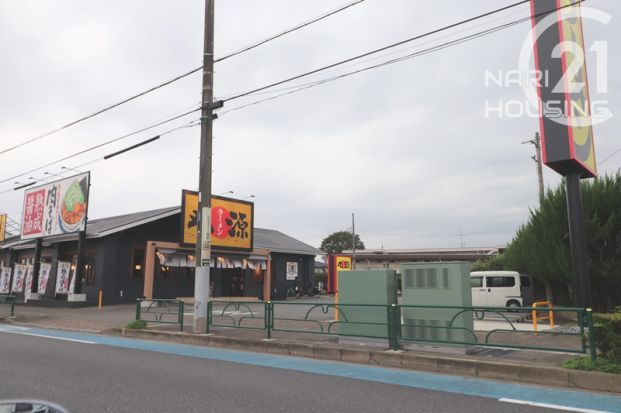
(160, 311)
(7, 305)
(514, 338)
(398, 329)
(238, 314)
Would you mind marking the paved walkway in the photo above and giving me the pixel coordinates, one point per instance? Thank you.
(91, 319)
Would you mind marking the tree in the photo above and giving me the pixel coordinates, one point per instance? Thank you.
(541, 246)
(339, 241)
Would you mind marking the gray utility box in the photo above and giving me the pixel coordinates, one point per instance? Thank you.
(437, 284)
(378, 287)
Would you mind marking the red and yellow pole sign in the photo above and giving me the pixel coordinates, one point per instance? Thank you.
(564, 105)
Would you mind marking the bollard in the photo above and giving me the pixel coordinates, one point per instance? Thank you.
(138, 305)
(181, 310)
(592, 348)
(100, 299)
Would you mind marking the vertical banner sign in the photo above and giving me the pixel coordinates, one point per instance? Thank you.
(29, 274)
(205, 236)
(292, 271)
(231, 223)
(3, 218)
(44, 276)
(56, 208)
(19, 277)
(62, 277)
(72, 273)
(564, 105)
(5, 280)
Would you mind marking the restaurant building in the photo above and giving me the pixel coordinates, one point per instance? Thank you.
(143, 255)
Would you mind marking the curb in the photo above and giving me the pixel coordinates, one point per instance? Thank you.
(73, 330)
(551, 376)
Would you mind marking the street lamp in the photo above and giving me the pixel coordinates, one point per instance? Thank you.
(71, 169)
(249, 196)
(49, 173)
(227, 192)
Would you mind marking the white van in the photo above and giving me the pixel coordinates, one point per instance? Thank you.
(501, 289)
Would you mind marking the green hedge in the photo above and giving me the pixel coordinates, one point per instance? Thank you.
(608, 334)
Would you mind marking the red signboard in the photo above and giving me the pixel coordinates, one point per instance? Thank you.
(33, 212)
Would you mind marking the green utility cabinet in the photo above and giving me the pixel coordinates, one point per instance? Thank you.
(437, 284)
(377, 287)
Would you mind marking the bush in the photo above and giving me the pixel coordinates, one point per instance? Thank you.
(584, 363)
(608, 335)
(137, 324)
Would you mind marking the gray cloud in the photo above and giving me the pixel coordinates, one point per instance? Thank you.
(407, 147)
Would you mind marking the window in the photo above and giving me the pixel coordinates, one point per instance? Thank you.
(525, 281)
(476, 282)
(89, 270)
(500, 281)
(137, 270)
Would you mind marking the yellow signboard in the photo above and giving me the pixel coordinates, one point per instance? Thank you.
(2, 227)
(343, 263)
(232, 222)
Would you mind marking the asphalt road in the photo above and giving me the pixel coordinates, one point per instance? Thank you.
(92, 373)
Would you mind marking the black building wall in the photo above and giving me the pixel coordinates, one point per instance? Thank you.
(306, 277)
(115, 256)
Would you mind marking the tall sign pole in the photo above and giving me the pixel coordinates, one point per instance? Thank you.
(353, 242)
(203, 244)
(565, 117)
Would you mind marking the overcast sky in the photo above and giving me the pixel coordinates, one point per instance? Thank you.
(407, 147)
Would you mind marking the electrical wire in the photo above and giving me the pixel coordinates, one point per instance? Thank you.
(190, 124)
(287, 31)
(101, 144)
(181, 76)
(330, 79)
(381, 49)
(445, 45)
(382, 64)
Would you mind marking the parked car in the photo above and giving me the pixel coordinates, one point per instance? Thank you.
(501, 289)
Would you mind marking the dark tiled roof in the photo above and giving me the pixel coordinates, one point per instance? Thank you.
(104, 226)
(268, 239)
(276, 241)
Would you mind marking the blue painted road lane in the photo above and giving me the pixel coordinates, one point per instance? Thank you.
(571, 400)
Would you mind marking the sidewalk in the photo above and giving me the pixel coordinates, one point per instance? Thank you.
(88, 319)
(115, 317)
(528, 366)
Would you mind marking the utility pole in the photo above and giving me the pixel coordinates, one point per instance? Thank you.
(203, 241)
(536, 142)
(461, 238)
(353, 242)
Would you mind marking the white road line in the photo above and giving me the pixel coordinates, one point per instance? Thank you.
(551, 406)
(53, 337)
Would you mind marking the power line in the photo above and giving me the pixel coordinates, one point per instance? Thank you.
(103, 158)
(287, 31)
(610, 156)
(322, 81)
(394, 52)
(101, 145)
(298, 88)
(381, 49)
(181, 76)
